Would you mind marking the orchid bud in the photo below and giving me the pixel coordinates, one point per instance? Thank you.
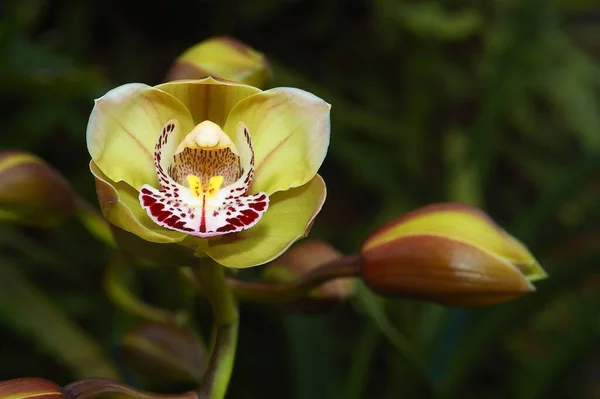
(29, 388)
(305, 258)
(449, 253)
(32, 192)
(104, 388)
(164, 353)
(225, 58)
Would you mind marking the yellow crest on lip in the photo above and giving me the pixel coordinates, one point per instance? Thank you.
(211, 189)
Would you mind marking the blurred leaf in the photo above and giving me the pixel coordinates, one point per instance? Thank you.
(373, 306)
(30, 312)
(462, 182)
(555, 193)
(362, 360)
(503, 70)
(430, 19)
(572, 344)
(314, 369)
(94, 222)
(21, 15)
(572, 88)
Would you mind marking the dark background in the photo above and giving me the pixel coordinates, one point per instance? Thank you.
(493, 103)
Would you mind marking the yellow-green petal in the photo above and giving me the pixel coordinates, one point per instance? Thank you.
(120, 206)
(290, 133)
(289, 218)
(209, 98)
(124, 126)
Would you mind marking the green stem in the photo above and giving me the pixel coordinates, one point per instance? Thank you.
(120, 294)
(218, 373)
(93, 221)
(225, 331)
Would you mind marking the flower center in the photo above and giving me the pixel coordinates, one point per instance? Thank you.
(204, 187)
(205, 161)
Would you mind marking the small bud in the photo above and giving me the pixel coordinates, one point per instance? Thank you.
(32, 192)
(26, 388)
(163, 353)
(302, 259)
(225, 58)
(452, 254)
(104, 388)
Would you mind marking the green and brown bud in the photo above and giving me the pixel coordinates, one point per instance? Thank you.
(450, 253)
(301, 260)
(30, 388)
(222, 57)
(164, 353)
(32, 192)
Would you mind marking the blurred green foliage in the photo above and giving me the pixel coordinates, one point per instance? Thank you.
(491, 103)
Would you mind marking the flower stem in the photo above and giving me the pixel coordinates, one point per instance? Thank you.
(224, 341)
(218, 373)
(288, 291)
(347, 266)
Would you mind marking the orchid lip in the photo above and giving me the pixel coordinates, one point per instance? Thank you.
(204, 185)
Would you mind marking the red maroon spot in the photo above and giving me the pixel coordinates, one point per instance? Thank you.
(258, 206)
(157, 211)
(248, 216)
(163, 215)
(225, 228)
(172, 220)
(249, 213)
(235, 222)
(181, 225)
(157, 207)
(147, 200)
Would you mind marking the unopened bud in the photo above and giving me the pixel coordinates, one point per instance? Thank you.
(32, 192)
(452, 254)
(225, 58)
(29, 388)
(163, 353)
